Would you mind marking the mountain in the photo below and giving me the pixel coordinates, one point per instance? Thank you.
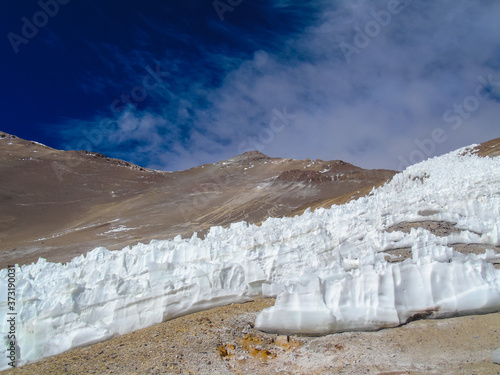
(60, 204)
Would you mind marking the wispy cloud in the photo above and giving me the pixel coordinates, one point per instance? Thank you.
(368, 110)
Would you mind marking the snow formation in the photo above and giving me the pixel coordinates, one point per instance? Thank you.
(328, 268)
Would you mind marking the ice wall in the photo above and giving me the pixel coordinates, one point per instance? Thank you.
(326, 267)
(384, 295)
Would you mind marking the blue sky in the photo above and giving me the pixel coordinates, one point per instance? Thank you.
(171, 85)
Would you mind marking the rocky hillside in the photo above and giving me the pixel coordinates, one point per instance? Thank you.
(59, 204)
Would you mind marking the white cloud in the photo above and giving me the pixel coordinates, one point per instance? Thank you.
(371, 111)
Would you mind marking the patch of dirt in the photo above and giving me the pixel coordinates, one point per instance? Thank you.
(224, 341)
(438, 228)
(472, 248)
(441, 229)
(400, 254)
(489, 148)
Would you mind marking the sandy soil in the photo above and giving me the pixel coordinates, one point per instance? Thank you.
(223, 341)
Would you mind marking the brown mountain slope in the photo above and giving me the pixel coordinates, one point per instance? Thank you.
(60, 204)
(490, 148)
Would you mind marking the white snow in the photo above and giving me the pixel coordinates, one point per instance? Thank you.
(121, 228)
(327, 267)
(66, 231)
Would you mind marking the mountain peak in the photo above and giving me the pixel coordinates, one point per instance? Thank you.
(247, 157)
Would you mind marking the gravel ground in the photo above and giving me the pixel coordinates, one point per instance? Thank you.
(223, 341)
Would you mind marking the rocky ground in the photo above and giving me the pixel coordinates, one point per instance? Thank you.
(224, 341)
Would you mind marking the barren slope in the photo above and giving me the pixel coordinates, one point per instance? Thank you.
(60, 204)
